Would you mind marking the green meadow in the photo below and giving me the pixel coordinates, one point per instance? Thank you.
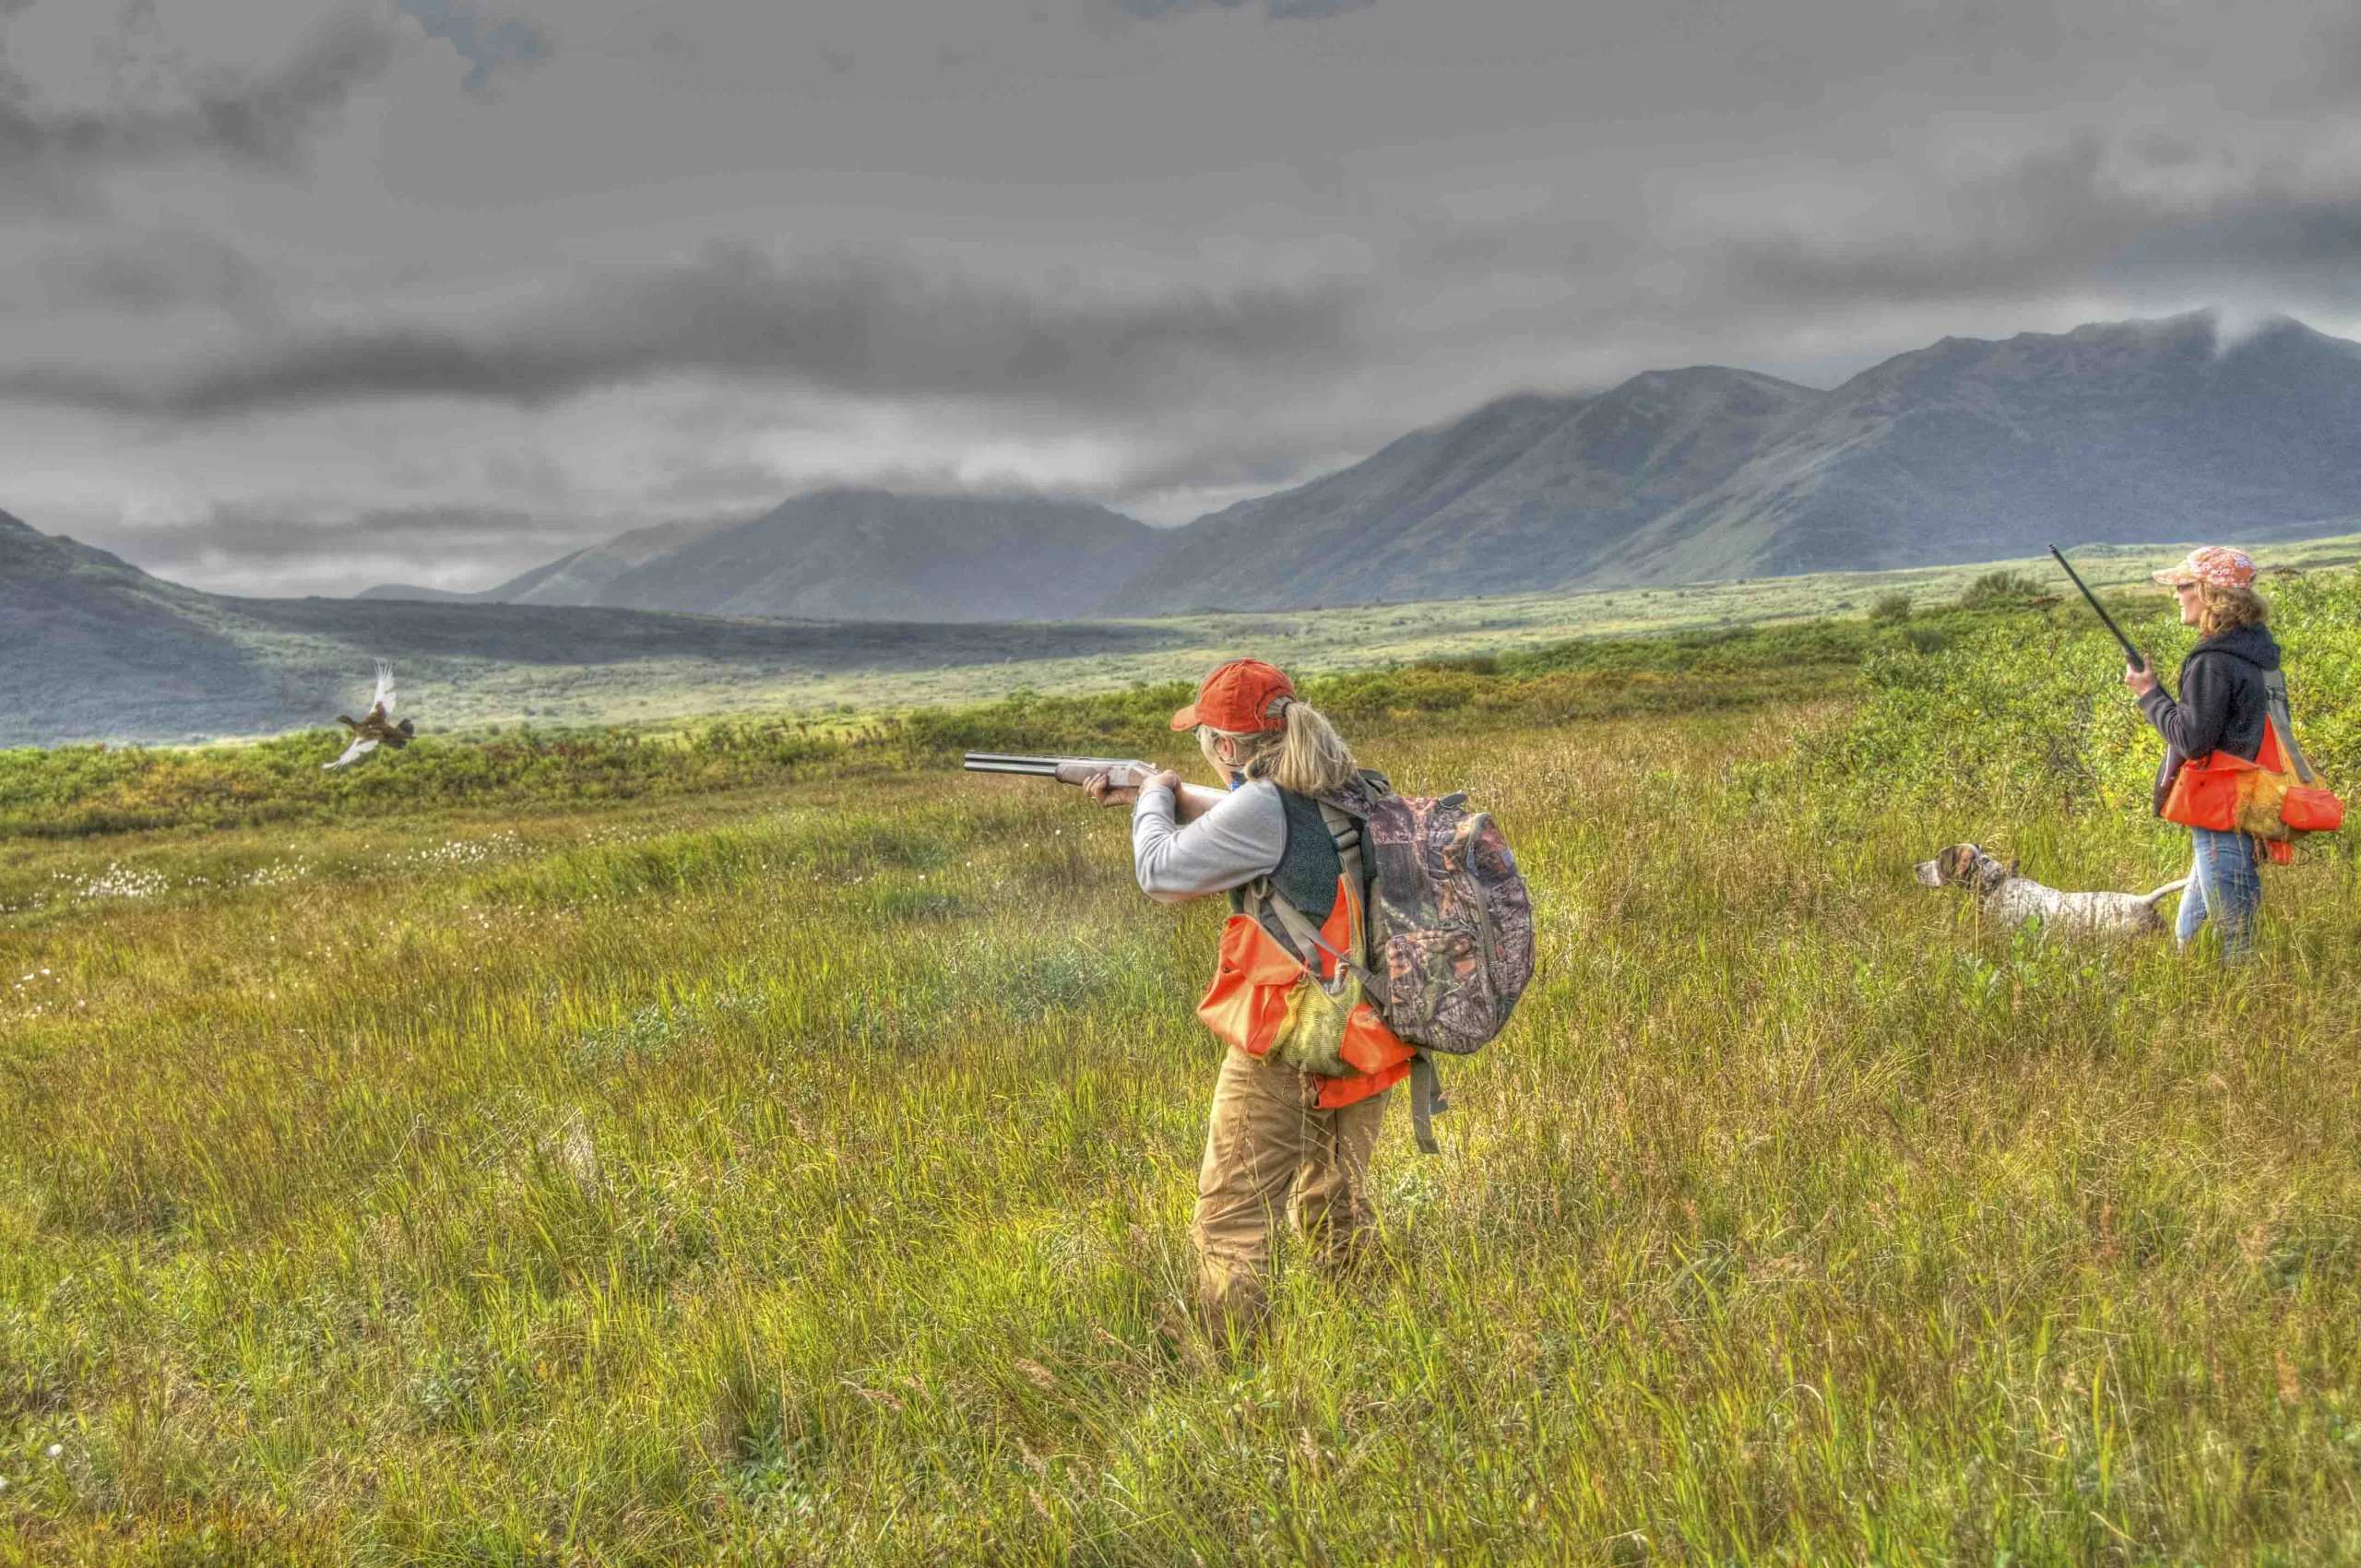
(757, 1142)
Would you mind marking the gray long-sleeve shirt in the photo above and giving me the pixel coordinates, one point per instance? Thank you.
(1238, 840)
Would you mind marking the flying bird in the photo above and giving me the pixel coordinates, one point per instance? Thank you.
(377, 725)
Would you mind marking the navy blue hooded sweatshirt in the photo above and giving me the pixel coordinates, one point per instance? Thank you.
(2223, 702)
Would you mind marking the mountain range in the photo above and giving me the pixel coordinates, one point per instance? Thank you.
(1966, 450)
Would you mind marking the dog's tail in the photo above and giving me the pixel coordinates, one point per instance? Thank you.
(2168, 888)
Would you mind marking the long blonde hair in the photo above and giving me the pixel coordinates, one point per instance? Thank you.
(2222, 607)
(1305, 757)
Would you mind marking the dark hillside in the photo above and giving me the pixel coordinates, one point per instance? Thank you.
(91, 645)
(93, 648)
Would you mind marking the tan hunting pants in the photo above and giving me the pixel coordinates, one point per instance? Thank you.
(1269, 1148)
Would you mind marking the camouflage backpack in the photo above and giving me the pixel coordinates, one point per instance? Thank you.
(1451, 927)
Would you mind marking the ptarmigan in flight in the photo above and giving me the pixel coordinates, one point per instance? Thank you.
(377, 725)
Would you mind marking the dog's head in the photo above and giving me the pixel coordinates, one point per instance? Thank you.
(1964, 865)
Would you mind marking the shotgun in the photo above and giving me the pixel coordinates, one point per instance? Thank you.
(2138, 661)
(1125, 771)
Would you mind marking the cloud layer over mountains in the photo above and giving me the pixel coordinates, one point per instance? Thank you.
(546, 273)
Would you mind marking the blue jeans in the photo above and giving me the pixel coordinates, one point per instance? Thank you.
(2224, 885)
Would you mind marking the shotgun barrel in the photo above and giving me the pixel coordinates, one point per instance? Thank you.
(2139, 659)
(1064, 770)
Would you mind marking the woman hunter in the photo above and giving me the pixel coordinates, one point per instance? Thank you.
(1279, 1137)
(2224, 705)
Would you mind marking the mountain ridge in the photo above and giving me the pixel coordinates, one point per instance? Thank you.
(1465, 508)
(1965, 449)
(1978, 449)
(848, 553)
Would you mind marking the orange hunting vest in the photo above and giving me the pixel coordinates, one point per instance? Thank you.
(1248, 1001)
(2262, 798)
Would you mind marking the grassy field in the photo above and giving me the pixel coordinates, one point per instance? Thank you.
(791, 1161)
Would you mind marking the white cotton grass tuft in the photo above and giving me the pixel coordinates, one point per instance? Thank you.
(117, 880)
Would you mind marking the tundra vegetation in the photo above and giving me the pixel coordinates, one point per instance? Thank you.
(757, 1143)
(165, 664)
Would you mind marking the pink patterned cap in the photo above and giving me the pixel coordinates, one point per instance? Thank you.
(2211, 563)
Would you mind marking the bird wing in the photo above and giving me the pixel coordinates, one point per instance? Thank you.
(384, 699)
(352, 751)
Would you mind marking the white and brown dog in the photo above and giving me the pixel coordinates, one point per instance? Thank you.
(2015, 899)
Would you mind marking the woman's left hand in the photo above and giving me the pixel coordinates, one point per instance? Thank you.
(2141, 680)
(1103, 789)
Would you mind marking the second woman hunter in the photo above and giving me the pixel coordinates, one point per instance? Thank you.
(2224, 707)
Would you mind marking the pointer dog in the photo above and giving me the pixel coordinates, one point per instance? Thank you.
(2015, 899)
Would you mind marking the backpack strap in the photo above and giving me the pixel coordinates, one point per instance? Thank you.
(1306, 938)
(2274, 685)
(1344, 828)
(1352, 859)
(1426, 1103)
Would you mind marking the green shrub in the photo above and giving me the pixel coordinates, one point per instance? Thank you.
(2023, 707)
(1994, 590)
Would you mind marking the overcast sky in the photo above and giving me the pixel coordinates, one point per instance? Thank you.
(300, 299)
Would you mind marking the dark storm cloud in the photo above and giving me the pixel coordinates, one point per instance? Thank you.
(1277, 10)
(2307, 253)
(489, 47)
(868, 325)
(267, 119)
(2150, 214)
(1283, 10)
(241, 538)
(156, 275)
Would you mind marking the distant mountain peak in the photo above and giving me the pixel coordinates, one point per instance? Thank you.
(853, 553)
(2195, 424)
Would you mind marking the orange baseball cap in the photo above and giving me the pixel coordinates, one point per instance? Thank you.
(1242, 696)
(2211, 563)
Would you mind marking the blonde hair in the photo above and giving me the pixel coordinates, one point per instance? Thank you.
(2224, 607)
(1305, 757)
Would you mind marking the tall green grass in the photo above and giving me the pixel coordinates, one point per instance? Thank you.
(801, 1172)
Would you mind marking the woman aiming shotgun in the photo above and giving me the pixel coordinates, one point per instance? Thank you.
(1278, 1137)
